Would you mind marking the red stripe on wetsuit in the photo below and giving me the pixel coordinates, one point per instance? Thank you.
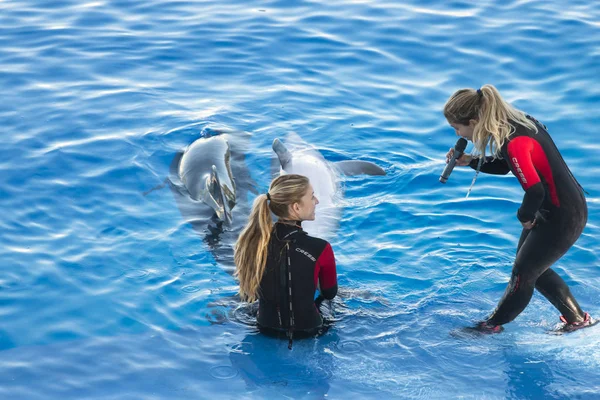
(325, 273)
(529, 161)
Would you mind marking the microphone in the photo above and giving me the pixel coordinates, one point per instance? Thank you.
(459, 149)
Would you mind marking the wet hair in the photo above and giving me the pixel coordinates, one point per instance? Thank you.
(494, 115)
(250, 253)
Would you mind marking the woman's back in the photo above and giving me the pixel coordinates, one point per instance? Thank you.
(311, 262)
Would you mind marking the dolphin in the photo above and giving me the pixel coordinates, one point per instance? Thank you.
(211, 183)
(324, 176)
(203, 172)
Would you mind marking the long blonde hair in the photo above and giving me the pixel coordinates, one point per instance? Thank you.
(494, 116)
(251, 249)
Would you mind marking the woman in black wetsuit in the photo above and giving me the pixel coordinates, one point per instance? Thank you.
(280, 265)
(553, 212)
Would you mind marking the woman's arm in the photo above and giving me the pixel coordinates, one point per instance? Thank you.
(327, 273)
(490, 165)
(520, 157)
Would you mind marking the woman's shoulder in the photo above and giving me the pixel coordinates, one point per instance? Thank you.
(521, 129)
(538, 124)
(314, 242)
(518, 131)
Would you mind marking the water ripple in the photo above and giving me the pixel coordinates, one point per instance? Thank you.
(99, 96)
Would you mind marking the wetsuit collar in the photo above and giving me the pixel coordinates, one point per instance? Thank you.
(290, 222)
(287, 228)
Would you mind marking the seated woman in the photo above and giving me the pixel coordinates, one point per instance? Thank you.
(280, 265)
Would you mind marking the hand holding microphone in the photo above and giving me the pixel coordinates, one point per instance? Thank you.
(455, 157)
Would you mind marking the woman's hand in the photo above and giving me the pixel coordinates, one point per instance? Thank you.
(529, 224)
(465, 159)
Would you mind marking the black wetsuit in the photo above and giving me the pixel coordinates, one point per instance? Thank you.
(311, 265)
(556, 201)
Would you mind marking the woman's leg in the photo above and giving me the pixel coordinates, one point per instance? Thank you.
(557, 292)
(539, 249)
(524, 234)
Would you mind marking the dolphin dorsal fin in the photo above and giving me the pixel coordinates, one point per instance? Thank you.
(282, 152)
(356, 167)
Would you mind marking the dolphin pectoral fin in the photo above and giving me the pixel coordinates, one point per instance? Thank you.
(157, 187)
(355, 167)
(213, 188)
(282, 153)
(217, 200)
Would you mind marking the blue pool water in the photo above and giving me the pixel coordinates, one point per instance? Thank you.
(108, 294)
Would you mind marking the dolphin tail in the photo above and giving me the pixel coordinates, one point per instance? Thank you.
(355, 167)
(282, 153)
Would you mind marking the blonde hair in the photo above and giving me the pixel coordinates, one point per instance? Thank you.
(494, 116)
(251, 249)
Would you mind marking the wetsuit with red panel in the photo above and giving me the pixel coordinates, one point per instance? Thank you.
(297, 265)
(555, 200)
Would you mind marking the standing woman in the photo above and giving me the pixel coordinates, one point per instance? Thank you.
(553, 212)
(280, 265)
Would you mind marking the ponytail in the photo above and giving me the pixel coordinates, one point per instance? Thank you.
(494, 115)
(251, 249)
